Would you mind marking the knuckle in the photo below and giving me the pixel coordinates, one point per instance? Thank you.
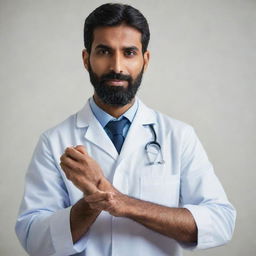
(68, 150)
(76, 168)
(64, 158)
(82, 161)
(79, 168)
(68, 161)
(63, 167)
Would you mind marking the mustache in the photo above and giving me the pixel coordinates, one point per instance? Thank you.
(117, 76)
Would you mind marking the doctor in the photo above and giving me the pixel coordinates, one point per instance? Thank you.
(118, 178)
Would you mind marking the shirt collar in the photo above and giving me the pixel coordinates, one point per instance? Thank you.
(103, 117)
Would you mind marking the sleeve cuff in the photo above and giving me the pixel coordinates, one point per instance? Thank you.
(61, 234)
(204, 226)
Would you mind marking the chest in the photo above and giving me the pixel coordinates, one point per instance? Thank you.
(132, 173)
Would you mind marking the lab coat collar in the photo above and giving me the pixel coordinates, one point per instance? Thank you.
(138, 135)
(97, 135)
(85, 116)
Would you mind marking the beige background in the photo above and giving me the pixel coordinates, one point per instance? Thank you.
(202, 71)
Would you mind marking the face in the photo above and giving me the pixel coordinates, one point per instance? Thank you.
(116, 63)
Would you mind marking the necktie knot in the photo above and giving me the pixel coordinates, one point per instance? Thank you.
(116, 127)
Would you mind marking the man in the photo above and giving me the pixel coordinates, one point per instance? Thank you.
(118, 178)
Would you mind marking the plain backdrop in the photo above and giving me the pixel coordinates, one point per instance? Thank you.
(202, 71)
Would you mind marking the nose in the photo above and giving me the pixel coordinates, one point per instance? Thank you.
(116, 63)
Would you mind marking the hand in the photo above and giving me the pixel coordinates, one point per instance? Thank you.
(81, 169)
(114, 202)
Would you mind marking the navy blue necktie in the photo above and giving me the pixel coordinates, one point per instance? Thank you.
(116, 129)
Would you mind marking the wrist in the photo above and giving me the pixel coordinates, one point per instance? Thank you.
(127, 206)
(83, 209)
(105, 185)
(133, 207)
(89, 189)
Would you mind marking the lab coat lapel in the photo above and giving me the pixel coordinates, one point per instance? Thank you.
(138, 134)
(95, 133)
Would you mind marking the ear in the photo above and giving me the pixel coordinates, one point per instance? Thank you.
(86, 57)
(146, 57)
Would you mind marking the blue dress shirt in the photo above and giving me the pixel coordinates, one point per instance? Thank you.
(103, 117)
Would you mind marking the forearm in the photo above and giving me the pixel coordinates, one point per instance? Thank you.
(87, 176)
(176, 223)
(81, 218)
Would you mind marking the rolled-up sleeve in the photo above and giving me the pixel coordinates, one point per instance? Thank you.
(203, 195)
(43, 223)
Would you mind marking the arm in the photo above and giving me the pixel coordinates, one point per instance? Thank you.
(206, 217)
(43, 223)
(87, 175)
(176, 223)
(81, 218)
(203, 195)
(80, 168)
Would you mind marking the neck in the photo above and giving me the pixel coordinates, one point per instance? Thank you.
(114, 111)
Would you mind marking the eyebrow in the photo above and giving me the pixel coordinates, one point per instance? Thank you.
(103, 46)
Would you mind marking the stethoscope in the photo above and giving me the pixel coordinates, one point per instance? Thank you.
(153, 149)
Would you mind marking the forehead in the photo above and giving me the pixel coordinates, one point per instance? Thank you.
(117, 37)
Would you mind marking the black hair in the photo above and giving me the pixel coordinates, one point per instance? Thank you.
(113, 14)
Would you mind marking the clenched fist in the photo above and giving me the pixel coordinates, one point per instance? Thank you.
(81, 169)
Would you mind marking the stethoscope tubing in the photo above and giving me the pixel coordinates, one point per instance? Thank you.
(155, 144)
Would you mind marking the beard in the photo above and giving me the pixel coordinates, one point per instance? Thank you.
(115, 95)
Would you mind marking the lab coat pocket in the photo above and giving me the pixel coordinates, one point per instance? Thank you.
(163, 190)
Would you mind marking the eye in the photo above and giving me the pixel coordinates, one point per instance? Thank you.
(130, 53)
(103, 52)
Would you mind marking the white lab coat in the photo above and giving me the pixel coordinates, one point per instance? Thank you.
(186, 179)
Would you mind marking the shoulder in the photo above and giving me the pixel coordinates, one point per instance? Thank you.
(171, 124)
(165, 124)
(61, 129)
(176, 129)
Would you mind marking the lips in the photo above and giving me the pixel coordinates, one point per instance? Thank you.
(116, 82)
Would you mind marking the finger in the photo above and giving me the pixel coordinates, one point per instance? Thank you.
(69, 162)
(66, 170)
(64, 167)
(74, 154)
(81, 149)
(64, 158)
(101, 205)
(110, 196)
(96, 197)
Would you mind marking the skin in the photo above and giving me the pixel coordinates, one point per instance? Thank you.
(86, 174)
(122, 54)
